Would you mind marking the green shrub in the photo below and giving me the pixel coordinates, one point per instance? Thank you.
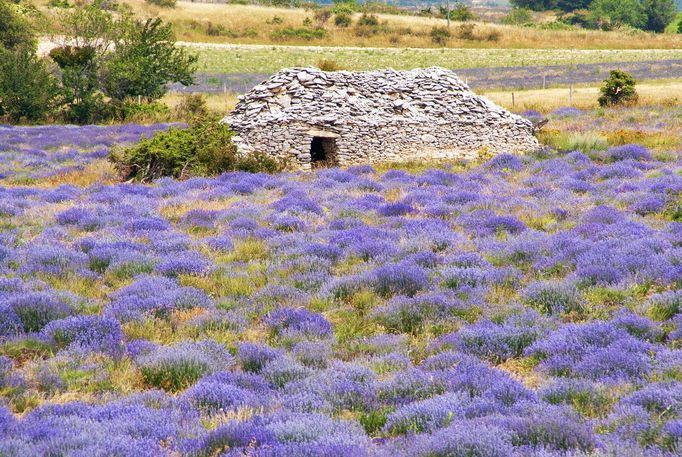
(466, 32)
(440, 35)
(15, 30)
(215, 30)
(462, 13)
(518, 16)
(191, 105)
(369, 20)
(145, 112)
(27, 91)
(618, 89)
(305, 33)
(343, 20)
(203, 148)
(163, 3)
(328, 65)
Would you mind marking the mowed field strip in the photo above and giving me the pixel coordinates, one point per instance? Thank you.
(217, 58)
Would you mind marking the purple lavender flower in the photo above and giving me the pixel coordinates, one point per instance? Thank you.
(399, 279)
(253, 356)
(396, 209)
(287, 322)
(504, 162)
(628, 152)
(212, 397)
(90, 333)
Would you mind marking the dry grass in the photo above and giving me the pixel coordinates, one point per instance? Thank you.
(253, 24)
(217, 103)
(545, 100)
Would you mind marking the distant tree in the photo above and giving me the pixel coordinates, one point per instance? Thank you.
(572, 5)
(87, 26)
(659, 13)
(145, 60)
(518, 16)
(80, 83)
(613, 13)
(618, 89)
(535, 5)
(15, 29)
(27, 90)
(462, 13)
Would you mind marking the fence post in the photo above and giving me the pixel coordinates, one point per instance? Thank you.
(570, 95)
(544, 82)
(513, 101)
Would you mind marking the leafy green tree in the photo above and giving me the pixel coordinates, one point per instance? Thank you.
(86, 27)
(518, 16)
(15, 29)
(145, 60)
(568, 6)
(613, 13)
(618, 89)
(535, 5)
(80, 83)
(659, 13)
(27, 90)
(462, 13)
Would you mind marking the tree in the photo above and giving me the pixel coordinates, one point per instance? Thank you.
(518, 16)
(618, 89)
(27, 90)
(568, 6)
(535, 5)
(15, 30)
(145, 60)
(86, 27)
(462, 13)
(80, 83)
(613, 13)
(659, 13)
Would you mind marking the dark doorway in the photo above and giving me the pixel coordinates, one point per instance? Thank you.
(323, 151)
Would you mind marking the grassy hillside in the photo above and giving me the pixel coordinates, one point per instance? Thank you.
(264, 25)
(248, 24)
(257, 59)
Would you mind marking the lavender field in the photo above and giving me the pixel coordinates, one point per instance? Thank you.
(514, 307)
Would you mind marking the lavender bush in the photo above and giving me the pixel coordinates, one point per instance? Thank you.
(520, 307)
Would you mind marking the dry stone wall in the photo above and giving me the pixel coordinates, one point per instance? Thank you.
(375, 116)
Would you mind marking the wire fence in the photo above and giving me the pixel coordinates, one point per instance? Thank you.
(511, 78)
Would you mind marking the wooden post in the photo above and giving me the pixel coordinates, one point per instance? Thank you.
(447, 12)
(570, 95)
(544, 82)
(513, 102)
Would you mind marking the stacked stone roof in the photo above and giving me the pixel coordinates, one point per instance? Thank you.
(374, 98)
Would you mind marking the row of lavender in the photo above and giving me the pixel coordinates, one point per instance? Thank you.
(52, 150)
(521, 307)
(525, 77)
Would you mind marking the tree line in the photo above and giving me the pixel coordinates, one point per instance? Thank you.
(649, 15)
(104, 65)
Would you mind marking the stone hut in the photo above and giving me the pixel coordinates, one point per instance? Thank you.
(310, 117)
